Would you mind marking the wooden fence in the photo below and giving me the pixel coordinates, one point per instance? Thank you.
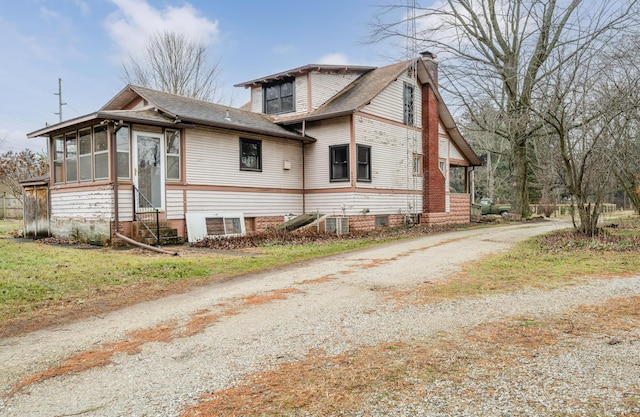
(10, 207)
(556, 210)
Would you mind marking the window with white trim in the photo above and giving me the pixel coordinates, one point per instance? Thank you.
(123, 151)
(71, 156)
(172, 146)
(58, 159)
(100, 153)
(84, 155)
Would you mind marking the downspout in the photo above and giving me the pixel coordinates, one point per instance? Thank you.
(116, 210)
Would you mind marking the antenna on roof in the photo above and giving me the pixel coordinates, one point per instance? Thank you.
(60, 103)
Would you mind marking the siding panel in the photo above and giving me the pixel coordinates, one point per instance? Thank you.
(328, 133)
(389, 104)
(353, 204)
(251, 204)
(392, 149)
(213, 158)
(175, 205)
(324, 86)
(82, 204)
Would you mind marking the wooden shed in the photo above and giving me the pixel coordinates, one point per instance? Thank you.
(36, 207)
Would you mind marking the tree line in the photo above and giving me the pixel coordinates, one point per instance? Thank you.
(547, 91)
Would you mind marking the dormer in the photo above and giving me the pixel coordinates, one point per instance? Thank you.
(300, 90)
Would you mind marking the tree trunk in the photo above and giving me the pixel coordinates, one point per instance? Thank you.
(519, 166)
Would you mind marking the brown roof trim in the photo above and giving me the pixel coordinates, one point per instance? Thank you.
(304, 70)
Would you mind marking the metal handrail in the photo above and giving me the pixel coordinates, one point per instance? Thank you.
(146, 214)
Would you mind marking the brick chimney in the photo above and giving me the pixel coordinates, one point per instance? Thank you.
(430, 62)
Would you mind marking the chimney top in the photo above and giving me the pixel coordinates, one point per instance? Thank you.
(428, 54)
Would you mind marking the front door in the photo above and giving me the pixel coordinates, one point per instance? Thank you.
(148, 176)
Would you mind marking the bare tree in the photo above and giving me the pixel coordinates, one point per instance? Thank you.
(581, 109)
(16, 167)
(174, 63)
(501, 50)
(624, 156)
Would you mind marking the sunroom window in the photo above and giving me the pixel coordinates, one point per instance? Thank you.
(100, 153)
(71, 166)
(84, 152)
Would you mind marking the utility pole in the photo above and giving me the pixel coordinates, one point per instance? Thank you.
(60, 103)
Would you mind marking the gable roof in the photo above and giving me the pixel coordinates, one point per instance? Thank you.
(167, 109)
(364, 89)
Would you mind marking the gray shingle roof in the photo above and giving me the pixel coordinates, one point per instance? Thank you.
(187, 109)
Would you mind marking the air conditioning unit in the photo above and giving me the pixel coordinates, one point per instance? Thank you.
(338, 225)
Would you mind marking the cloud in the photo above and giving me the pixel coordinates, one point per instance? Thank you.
(334, 59)
(84, 6)
(13, 140)
(135, 21)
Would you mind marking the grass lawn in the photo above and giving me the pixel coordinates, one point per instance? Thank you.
(41, 284)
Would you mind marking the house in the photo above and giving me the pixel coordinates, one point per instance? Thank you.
(366, 147)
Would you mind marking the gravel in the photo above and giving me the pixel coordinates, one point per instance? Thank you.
(589, 376)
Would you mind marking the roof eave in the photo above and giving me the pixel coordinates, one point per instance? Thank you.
(247, 129)
(303, 70)
(62, 125)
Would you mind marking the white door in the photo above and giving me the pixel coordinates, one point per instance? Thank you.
(149, 169)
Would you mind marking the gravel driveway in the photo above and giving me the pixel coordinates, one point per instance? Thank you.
(215, 335)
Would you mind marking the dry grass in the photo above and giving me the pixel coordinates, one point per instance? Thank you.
(370, 376)
(133, 342)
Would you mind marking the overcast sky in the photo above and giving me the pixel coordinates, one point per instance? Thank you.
(83, 42)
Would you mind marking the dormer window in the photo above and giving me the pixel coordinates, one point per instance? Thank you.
(278, 97)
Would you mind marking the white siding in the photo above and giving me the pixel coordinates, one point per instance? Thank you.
(82, 204)
(454, 153)
(443, 148)
(389, 103)
(213, 158)
(125, 205)
(175, 204)
(328, 133)
(392, 149)
(324, 86)
(301, 93)
(250, 204)
(256, 99)
(353, 204)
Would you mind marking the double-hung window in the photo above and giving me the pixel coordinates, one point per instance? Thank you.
(339, 163)
(71, 159)
(100, 153)
(364, 162)
(409, 111)
(172, 138)
(279, 97)
(58, 159)
(84, 155)
(123, 149)
(250, 155)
